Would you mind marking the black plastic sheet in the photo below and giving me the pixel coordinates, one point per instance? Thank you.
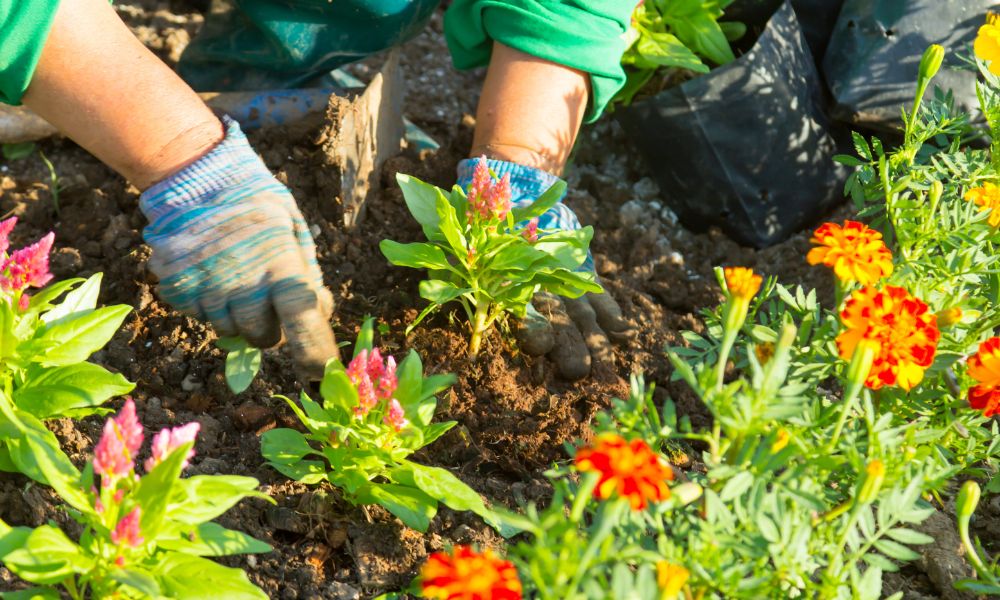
(745, 147)
(817, 18)
(874, 53)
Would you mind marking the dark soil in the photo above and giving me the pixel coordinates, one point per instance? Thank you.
(514, 413)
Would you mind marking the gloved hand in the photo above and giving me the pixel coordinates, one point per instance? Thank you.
(231, 247)
(575, 332)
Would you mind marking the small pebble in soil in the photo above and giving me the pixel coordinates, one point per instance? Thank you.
(342, 591)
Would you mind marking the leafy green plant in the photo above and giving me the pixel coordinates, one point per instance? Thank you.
(667, 35)
(142, 536)
(45, 340)
(373, 416)
(242, 362)
(486, 254)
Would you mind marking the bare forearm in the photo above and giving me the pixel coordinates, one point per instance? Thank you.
(102, 88)
(530, 110)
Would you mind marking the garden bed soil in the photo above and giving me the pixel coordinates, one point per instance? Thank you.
(514, 413)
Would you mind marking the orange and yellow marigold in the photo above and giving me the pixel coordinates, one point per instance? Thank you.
(742, 282)
(987, 45)
(465, 574)
(898, 326)
(984, 367)
(671, 578)
(853, 250)
(987, 197)
(631, 470)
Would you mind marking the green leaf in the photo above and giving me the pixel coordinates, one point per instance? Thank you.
(77, 302)
(50, 392)
(421, 198)
(73, 340)
(37, 454)
(12, 538)
(418, 255)
(156, 488)
(139, 580)
(665, 50)
(42, 593)
(242, 365)
(17, 151)
(412, 506)
(212, 539)
(195, 578)
(47, 557)
(450, 226)
(338, 391)
(909, 536)
(309, 472)
(285, 446)
(895, 550)
(440, 292)
(445, 487)
(547, 200)
(43, 299)
(205, 497)
(366, 336)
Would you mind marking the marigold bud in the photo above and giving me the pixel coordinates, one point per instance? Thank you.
(931, 61)
(967, 500)
(872, 483)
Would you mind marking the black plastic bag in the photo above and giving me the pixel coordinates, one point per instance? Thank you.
(817, 18)
(745, 147)
(872, 61)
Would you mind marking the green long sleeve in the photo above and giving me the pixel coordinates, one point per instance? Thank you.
(24, 27)
(583, 35)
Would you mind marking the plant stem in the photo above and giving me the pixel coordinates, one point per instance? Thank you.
(861, 364)
(608, 519)
(479, 325)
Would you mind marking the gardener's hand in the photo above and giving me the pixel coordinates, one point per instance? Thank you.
(576, 333)
(230, 247)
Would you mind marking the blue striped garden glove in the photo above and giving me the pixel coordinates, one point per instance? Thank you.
(574, 332)
(231, 247)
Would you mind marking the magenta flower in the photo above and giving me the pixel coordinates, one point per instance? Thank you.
(375, 366)
(6, 226)
(388, 383)
(531, 230)
(358, 367)
(481, 182)
(367, 399)
(168, 440)
(127, 531)
(395, 417)
(121, 440)
(28, 266)
(500, 195)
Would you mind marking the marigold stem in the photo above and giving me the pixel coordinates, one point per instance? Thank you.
(857, 373)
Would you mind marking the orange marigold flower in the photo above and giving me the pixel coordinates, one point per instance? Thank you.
(899, 326)
(742, 282)
(631, 470)
(764, 352)
(987, 45)
(949, 316)
(984, 367)
(671, 578)
(853, 250)
(987, 197)
(465, 574)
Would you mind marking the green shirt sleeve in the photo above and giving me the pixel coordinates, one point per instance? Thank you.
(588, 36)
(24, 27)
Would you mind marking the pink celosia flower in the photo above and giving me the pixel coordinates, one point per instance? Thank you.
(388, 383)
(6, 226)
(127, 531)
(168, 440)
(121, 440)
(394, 416)
(481, 182)
(375, 365)
(28, 266)
(367, 398)
(358, 367)
(500, 195)
(531, 230)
